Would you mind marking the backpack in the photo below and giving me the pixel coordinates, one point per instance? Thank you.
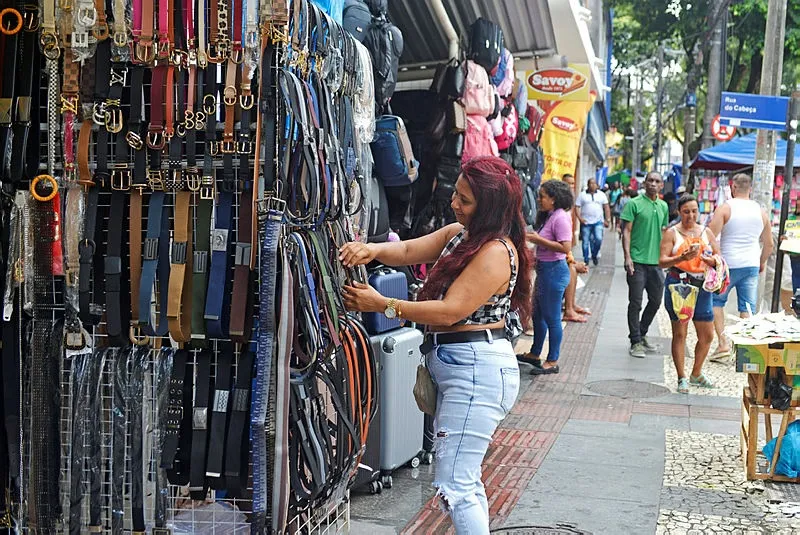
(478, 140)
(486, 43)
(509, 129)
(529, 206)
(391, 149)
(356, 18)
(505, 86)
(378, 231)
(478, 95)
(384, 41)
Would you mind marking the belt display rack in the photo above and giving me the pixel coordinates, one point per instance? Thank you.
(177, 177)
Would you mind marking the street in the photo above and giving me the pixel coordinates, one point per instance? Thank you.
(606, 446)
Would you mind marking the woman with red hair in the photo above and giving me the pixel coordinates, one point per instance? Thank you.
(472, 303)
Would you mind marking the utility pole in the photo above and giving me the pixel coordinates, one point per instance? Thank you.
(788, 166)
(689, 113)
(659, 106)
(718, 19)
(766, 140)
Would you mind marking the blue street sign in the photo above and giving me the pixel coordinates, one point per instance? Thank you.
(691, 100)
(753, 111)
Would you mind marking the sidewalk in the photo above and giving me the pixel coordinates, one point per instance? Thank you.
(606, 446)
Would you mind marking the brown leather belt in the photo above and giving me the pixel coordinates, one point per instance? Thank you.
(179, 308)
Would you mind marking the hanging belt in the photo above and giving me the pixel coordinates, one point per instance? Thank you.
(219, 416)
(237, 441)
(162, 383)
(95, 453)
(81, 383)
(174, 416)
(154, 264)
(116, 294)
(21, 167)
(218, 297)
(7, 88)
(270, 222)
(180, 401)
(197, 467)
(280, 498)
(118, 436)
(180, 279)
(135, 422)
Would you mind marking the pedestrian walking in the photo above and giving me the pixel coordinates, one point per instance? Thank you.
(482, 275)
(613, 200)
(553, 239)
(686, 250)
(745, 237)
(643, 220)
(572, 311)
(594, 215)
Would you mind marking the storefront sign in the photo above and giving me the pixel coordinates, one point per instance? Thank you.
(570, 83)
(561, 136)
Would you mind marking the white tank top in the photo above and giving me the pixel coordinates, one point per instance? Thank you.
(740, 240)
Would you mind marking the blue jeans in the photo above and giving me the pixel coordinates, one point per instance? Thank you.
(591, 235)
(552, 279)
(794, 260)
(477, 383)
(745, 280)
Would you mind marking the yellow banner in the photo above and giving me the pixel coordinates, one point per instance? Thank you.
(561, 136)
(570, 83)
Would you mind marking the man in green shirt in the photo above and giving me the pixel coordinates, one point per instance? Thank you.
(643, 219)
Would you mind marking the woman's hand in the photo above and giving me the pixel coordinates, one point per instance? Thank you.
(709, 261)
(356, 254)
(689, 253)
(363, 298)
(532, 237)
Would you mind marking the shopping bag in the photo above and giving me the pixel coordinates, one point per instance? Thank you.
(684, 299)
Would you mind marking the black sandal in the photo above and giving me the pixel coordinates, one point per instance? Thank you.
(525, 359)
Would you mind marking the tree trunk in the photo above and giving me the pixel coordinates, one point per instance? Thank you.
(754, 81)
(717, 18)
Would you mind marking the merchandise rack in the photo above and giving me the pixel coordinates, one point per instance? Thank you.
(217, 514)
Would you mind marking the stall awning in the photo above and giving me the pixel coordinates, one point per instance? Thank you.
(526, 25)
(738, 153)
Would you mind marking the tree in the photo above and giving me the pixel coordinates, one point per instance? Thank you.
(639, 25)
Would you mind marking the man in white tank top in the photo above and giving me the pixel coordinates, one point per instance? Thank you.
(745, 237)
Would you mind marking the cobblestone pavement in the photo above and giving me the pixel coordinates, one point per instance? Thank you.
(705, 491)
(727, 381)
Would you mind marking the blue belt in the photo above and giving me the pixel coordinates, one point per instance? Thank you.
(266, 332)
(155, 265)
(218, 298)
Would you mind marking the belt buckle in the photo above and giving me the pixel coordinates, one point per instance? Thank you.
(155, 179)
(244, 147)
(193, 181)
(161, 531)
(246, 101)
(134, 140)
(121, 179)
(207, 188)
(113, 120)
(155, 138)
(136, 337)
(74, 340)
(227, 147)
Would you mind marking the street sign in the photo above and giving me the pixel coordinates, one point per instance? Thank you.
(753, 111)
(720, 131)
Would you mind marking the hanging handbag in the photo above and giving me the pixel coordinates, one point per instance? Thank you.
(457, 117)
(425, 391)
(455, 76)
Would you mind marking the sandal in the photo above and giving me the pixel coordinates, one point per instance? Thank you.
(720, 356)
(701, 381)
(683, 385)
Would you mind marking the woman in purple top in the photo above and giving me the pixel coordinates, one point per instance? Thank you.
(553, 240)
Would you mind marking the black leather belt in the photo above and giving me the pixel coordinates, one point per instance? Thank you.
(219, 415)
(437, 339)
(197, 465)
(237, 443)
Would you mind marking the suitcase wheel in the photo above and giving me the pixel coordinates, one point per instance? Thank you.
(427, 457)
(376, 487)
(415, 462)
(386, 481)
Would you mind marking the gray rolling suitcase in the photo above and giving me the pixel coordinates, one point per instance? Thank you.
(398, 355)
